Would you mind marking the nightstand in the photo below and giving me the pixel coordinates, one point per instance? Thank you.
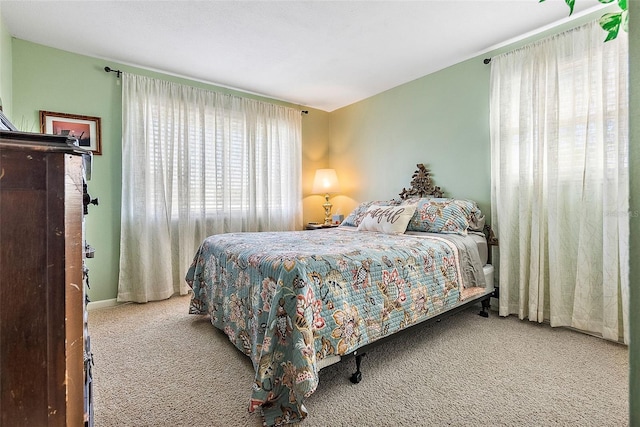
(312, 226)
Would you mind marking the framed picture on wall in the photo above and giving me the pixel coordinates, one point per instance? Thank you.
(85, 129)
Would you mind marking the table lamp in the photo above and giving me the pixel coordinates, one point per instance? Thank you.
(326, 182)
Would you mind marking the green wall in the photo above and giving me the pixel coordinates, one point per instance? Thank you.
(441, 120)
(55, 80)
(634, 170)
(6, 60)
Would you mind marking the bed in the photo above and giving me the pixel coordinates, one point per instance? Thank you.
(296, 302)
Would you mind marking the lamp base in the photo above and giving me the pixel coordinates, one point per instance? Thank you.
(327, 210)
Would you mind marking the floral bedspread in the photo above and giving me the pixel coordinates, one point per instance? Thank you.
(290, 299)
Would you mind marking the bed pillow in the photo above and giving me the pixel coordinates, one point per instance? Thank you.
(354, 218)
(442, 215)
(387, 219)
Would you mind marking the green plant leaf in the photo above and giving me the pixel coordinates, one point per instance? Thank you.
(622, 4)
(607, 1)
(610, 22)
(625, 21)
(570, 3)
(611, 35)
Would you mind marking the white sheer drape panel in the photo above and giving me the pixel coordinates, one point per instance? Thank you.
(560, 184)
(197, 163)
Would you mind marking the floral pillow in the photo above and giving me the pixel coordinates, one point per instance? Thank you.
(355, 217)
(387, 219)
(442, 215)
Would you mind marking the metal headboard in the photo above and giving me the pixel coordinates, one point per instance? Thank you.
(421, 185)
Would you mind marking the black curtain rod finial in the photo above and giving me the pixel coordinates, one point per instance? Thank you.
(304, 111)
(486, 61)
(111, 70)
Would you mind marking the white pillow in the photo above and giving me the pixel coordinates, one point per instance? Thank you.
(387, 219)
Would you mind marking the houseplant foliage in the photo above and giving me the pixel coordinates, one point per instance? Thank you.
(610, 22)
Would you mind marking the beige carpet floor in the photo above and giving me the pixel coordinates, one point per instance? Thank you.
(156, 365)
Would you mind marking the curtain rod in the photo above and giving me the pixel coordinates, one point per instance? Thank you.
(110, 70)
(118, 72)
(486, 61)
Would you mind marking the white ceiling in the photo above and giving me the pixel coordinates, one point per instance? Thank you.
(321, 54)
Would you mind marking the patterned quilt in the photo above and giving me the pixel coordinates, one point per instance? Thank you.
(290, 299)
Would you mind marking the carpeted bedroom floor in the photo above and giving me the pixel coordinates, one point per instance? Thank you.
(156, 365)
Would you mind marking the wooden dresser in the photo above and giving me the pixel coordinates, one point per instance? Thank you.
(42, 296)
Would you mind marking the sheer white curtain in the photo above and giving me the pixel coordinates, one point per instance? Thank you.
(197, 163)
(560, 183)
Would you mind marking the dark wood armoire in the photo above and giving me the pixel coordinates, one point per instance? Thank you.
(43, 352)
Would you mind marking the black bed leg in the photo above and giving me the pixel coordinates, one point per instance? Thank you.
(357, 375)
(486, 303)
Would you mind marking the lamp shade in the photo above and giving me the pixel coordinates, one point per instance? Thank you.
(325, 182)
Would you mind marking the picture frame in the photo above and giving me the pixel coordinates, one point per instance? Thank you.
(85, 128)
